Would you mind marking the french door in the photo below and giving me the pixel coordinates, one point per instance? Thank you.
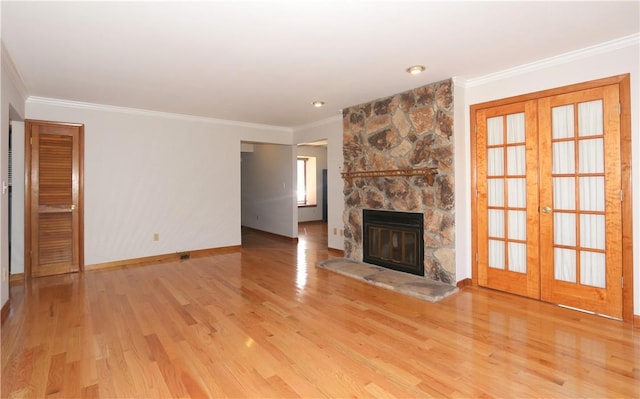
(508, 198)
(548, 208)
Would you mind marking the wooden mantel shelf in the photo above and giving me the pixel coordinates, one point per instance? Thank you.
(429, 173)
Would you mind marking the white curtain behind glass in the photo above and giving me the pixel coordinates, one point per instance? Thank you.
(504, 252)
(495, 194)
(516, 192)
(590, 192)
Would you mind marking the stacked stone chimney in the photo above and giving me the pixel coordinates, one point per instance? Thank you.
(410, 130)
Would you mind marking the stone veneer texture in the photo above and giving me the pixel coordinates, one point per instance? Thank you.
(413, 129)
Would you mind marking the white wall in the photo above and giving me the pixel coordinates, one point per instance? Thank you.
(312, 213)
(12, 97)
(613, 58)
(331, 130)
(149, 173)
(462, 170)
(269, 189)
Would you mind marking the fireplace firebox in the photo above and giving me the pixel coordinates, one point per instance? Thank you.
(394, 240)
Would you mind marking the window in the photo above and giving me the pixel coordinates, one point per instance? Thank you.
(302, 181)
(306, 180)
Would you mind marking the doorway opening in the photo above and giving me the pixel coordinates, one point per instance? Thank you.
(315, 181)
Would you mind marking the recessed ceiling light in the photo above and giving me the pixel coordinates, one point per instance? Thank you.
(416, 69)
(318, 104)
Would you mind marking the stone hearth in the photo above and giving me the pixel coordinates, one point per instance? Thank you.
(417, 287)
(410, 130)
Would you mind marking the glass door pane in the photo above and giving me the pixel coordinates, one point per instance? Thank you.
(507, 192)
(578, 195)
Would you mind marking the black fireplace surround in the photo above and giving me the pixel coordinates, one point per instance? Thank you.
(394, 240)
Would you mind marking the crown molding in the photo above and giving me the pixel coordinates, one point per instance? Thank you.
(321, 122)
(458, 81)
(157, 114)
(622, 42)
(10, 67)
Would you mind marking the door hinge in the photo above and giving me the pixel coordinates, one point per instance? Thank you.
(622, 281)
(621, 195)
(30, 140)
(476, 256)
(619, 109)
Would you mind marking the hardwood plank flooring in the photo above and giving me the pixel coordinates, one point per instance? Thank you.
(265, 322)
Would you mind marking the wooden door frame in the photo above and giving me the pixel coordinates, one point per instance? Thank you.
(623, 82)
(27, 193)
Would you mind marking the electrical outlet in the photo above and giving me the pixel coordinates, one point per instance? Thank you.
(156, 236)
(335, 231)
(5, 274)
(341, 233)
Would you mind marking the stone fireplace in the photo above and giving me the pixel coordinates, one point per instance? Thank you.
(406, 132)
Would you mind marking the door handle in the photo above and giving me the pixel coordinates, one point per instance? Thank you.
(546, 209)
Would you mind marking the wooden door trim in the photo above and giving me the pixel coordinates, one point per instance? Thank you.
(612, 80)
(623, 82)
(627, 197)
(27, 192)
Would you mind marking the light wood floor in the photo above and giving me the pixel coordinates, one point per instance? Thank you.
(265, 322)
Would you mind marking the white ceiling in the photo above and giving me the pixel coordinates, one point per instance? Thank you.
(265, 62)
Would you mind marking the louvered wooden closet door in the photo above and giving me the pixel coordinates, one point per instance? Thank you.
(55, 195)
